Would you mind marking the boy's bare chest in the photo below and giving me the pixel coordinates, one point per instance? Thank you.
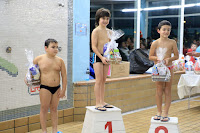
(168, 46)
(103, 38)
(49, 66)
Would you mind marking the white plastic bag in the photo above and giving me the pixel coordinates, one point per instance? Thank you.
(33, 72)
(189, 65)
(179, 64)
(160, 72)
(110, 50)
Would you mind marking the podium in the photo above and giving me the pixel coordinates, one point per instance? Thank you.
(164, 127)
(109, 121)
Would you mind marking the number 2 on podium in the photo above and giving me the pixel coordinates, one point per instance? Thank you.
(161, 128)
(109, 125)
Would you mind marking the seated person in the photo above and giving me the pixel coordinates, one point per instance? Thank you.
(129, 41)
(184, 50)
(149, 42)
(192, 49)
(131, 48)
(195, 53)
(143, 48)
(124, 51)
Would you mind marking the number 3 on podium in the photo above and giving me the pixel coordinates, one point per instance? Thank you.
(109, 125)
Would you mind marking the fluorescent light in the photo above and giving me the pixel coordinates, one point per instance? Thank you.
(190, 5)
(161, 8)
(173, 7)
(198, 4)
(155, 8)
(129, 10)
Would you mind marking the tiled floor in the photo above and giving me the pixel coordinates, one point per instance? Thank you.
(139, 121)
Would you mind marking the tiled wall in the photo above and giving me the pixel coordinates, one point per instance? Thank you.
(31, 123)
(27, 24)
(128, 93)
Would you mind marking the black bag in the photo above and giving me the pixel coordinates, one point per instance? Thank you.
(123, 55)
(139, 62)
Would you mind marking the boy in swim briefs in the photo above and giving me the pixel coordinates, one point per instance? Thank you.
(164, 29)
(51, 66)
(99, 39)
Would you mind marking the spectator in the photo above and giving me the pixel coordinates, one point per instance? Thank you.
(192, 49)
(124, 51)
(131, 48)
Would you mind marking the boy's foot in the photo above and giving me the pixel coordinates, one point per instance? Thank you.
(165, 119)
(108, 106)
(157, 117)
(100, 108)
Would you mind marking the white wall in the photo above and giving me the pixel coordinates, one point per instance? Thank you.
(27, 24)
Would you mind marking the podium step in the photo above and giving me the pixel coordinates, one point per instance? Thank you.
(109, 121)
(164, 127)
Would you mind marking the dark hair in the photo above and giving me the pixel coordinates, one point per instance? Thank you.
(131, 38)
(48, 41)
(164, 22)
(193, 44)
(102, 12)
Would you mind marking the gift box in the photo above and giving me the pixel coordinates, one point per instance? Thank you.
(119, 70)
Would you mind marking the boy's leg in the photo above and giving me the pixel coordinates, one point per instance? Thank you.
(167, 90)
(54, 112)
(98, 69)
(159, 93)
(105, 73)
(45, 99)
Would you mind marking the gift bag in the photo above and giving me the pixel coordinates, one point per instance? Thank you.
(179, 64)
(33, 72)
(160, 72)
(110, 50)
(189, 65)
(197, 66)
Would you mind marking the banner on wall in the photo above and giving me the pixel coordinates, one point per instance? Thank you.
(34, 90)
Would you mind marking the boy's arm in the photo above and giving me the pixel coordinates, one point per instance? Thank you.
(35, 61)
(152, 52)
(63, 75)
(196, 54)
(175, 50)
(94, 44)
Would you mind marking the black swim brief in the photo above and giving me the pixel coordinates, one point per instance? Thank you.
(96, 58)
(51, 89)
